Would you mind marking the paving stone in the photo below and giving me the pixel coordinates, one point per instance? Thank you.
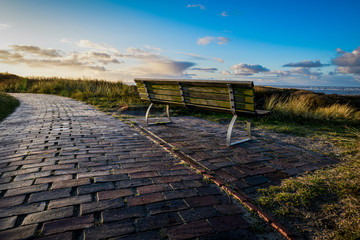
(158, 221)
(145, 199)
(60, 236)
(71, 183)
(48, 195)
(53, 179)
(167, 206)
(133, 183)
(19, 232)
(141, 236)
(199, 201)
(95, 187)
(68, 224)
(6, 223)
(110, 230)
(257, 180)
(45, 216)
(17, 184)
(190, 230)
(25, 190)
(111, 194)
(227, 223)
(101, 205)
(124, 213)
(180, 193)
(22, 209)
(63, 202)
(11, 201)
(195, 214)
(153, 188)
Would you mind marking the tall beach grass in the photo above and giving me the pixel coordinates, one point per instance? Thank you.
(300, 108)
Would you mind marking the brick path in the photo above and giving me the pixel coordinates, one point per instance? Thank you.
(246, 167)
(68, 171)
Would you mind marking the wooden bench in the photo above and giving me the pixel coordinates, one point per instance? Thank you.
(235, 97)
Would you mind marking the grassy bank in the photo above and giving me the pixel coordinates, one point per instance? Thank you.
(103, 94)
(7, 105)
(323, 204)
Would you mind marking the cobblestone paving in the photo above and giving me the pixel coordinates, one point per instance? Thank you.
(248, 166)
(68, 171)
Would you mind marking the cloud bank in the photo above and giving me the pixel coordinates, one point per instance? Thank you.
(248, 69)
(348, 62)
(208, 39)
(202, 7)
(97, 58)
(306, 64)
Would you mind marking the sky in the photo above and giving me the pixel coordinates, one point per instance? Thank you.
(302, 43)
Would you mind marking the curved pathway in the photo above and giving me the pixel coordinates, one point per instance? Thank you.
(68, 171)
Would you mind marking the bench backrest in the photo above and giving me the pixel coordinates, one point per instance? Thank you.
(221, 95)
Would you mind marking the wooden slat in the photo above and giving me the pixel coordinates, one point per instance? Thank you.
(211, 96)
(143, 96)
(165, 92)
(243, 92)
(164, 97)
(163, 86)
(141, 90)
(247, 107)
(207, 102)
(219, 90)
(140, 85)
(244, 99)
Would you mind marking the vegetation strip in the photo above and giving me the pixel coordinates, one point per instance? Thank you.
(241, 197)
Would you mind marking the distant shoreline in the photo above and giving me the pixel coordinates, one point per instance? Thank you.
(325, 89)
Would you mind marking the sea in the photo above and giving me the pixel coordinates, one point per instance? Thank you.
(328, 90)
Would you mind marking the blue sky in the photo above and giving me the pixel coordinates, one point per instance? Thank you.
(269, 42)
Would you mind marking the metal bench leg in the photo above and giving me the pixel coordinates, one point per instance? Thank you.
(148, 111)
(230, 129)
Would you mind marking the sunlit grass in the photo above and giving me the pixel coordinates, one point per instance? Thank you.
(300, 108)
(103, 94)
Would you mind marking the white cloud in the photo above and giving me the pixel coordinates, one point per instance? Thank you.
(225, 72)
(208, 39)
(210, 70)
(307, 64)
(348, 62)
(302, 71)
(220, 60)
(202, 7)
(224, 14)
(248, 69)
(4, 26)
(306, 72)
(199, 57)
(36, 50)
(153, 48)
(205, 40)
(91, 45)
(159, 67)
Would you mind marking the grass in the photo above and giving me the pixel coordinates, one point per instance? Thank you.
(323, 204)
(7, 105)
(102, 94)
